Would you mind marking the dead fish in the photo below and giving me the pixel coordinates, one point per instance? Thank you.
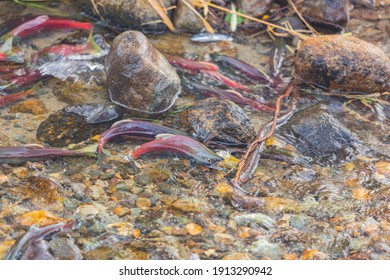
(343, 64)
(62, 50)
(190, 64)
(140, 130)
(10, 98)
(35, 152)
(205, 37)
(31, 247)
(43, 22)
(241, 66)
(181, 146)
(22, 81)
(231, 95)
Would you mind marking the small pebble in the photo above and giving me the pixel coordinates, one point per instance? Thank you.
(143, 203)
(237, 256)
(31, 106)
(194, 229)
(122, 211)
(224, 238)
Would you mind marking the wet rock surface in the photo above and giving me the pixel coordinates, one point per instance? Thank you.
(185, 20)
(220, 120)
(255, 8)
(332, 11)
(63, 128)
(318, 134)
(343, 64)
(95, 113)
(128, 14)
(139, 78)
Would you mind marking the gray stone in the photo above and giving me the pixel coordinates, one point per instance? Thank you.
(140, 78)
(185, 19)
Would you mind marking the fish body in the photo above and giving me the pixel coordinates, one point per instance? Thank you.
(4, 69)
(22, 154)
(241, 66)
(28, 247)
(190, 64)
(231, 95)
(89, 47)
(179, 145)
(140, 130)
(10, 98)
(43, 22)
(25, 80)
(205, 37)
(226, 80)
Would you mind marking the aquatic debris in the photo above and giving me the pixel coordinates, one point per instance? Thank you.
(179, 145)
(231, 95)
(66, 68)
(206, 37)
(43, 22)
(35, 152)
(343, 64)
(8, 54)
(190, 64)
(10, 98)
(28, 247)
(242, 67)
(95, 113)
(250, 160)
(140, 130)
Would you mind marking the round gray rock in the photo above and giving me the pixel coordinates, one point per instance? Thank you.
(139, 77)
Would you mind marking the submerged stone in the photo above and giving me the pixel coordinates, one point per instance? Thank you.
(318, 134)
(63, 128)
(220, 120)
(128, 14)
(95, 113)
(185, 19)
(139, 77)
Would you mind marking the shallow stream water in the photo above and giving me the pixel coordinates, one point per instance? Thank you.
(168, 208)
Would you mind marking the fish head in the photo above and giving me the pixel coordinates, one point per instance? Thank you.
(209, 159)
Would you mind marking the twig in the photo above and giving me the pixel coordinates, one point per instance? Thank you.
(250, 160)
(292, 32)
(163, 15)
(205, 23)
(302, 18)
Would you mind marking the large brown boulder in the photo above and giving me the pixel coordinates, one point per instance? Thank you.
(343, 64)
(139, 77)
